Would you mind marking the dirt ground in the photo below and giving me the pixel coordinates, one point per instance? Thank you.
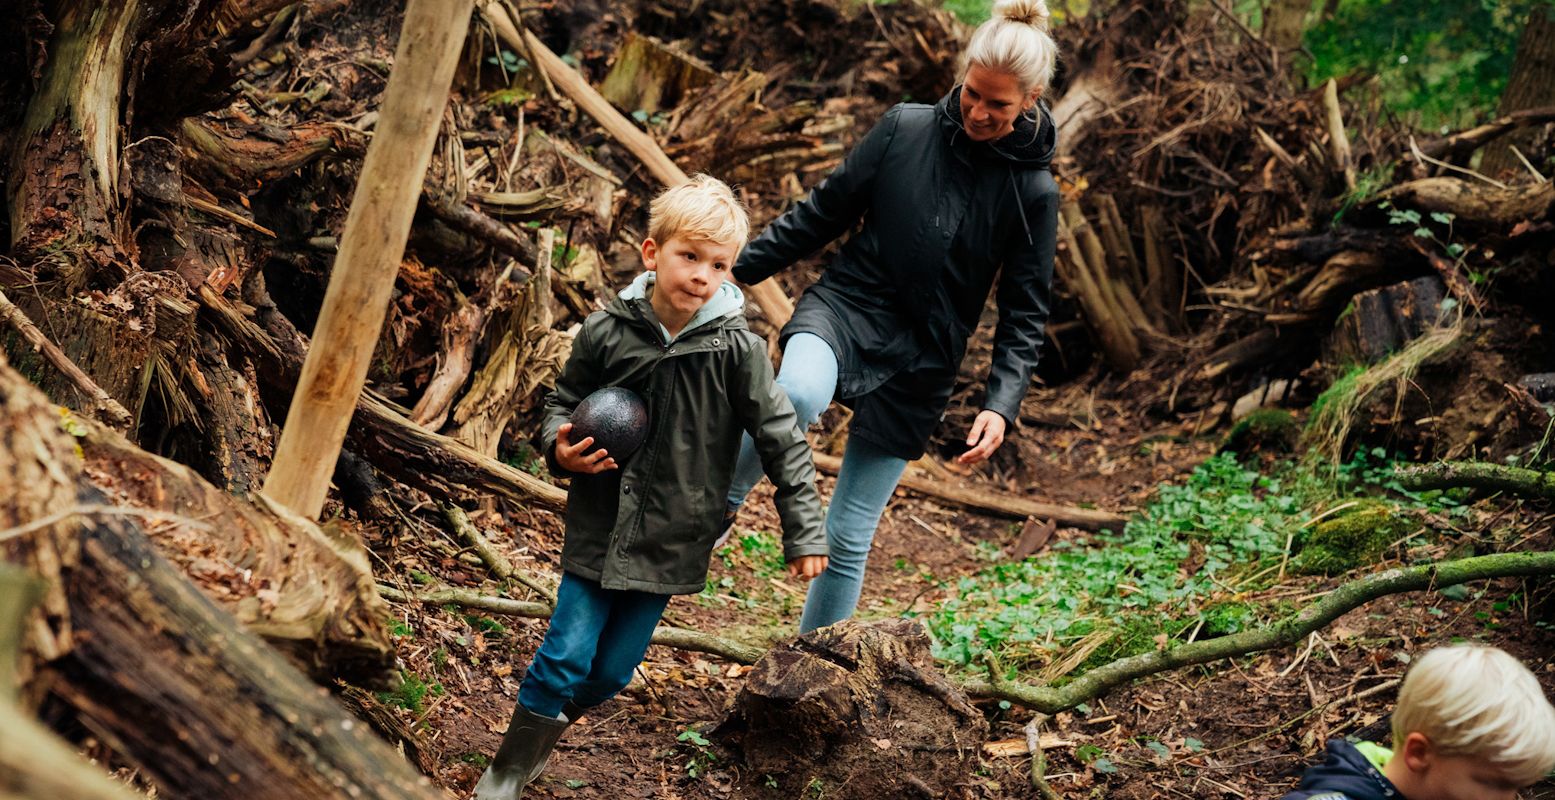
(1232, 729)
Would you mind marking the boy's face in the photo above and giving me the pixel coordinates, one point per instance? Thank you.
(689, 272)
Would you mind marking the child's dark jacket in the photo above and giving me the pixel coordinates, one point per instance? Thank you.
(1347, 774)
(650, 525)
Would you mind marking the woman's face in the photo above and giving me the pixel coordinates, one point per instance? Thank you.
(990, 102)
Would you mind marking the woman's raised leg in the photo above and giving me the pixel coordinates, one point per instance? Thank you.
(809, 377)
(864, 486)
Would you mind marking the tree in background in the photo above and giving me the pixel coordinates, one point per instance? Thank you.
(1531, 85)
(1440, 64)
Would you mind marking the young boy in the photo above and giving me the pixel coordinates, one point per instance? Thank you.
(642, 529)
(1471, 723)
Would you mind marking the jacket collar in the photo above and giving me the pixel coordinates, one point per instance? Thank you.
(633, 304)
(1349, 770)
(1030, 146)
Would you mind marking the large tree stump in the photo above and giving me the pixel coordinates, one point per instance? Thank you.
(858, 711)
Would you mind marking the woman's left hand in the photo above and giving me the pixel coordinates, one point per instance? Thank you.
(985, 437)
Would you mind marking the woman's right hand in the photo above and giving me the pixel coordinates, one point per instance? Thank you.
(571, 458)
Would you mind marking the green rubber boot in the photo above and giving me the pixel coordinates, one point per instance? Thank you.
(522, 755)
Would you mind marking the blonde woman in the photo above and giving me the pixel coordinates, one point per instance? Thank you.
(951, 196)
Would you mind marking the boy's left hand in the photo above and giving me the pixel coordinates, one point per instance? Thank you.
(807, 567)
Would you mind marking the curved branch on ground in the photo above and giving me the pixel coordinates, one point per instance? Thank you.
(1451, 474)
(1282, 633)
(679, 638)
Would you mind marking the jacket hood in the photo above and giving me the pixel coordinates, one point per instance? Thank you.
(1030, 146)
(729, 301)
(1348, 770)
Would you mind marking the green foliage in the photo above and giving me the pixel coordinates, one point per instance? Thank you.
(702, 758)
(1439, 63)
(1264, 429)
(1226, 518)
(525, 458)
(411, 693)
(1355, 538)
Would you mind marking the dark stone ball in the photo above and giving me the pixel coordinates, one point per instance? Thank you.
(617, 419)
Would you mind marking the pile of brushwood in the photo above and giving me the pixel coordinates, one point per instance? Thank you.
(177, 178)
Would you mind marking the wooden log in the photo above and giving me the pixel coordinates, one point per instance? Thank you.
(993, 502)
(1474, 202)
(370, 250)
(150, 666)
(1494, 477)
(35, 764)
(460, 334)
(63, 186)
(1117, 341)
(1462, 143)
(859, 708)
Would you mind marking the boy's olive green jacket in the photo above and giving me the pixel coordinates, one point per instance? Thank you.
(650, 525)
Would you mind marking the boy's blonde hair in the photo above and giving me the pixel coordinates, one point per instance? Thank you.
(1479, 701)
(703, 208)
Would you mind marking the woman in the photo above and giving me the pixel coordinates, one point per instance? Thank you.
(950, 196)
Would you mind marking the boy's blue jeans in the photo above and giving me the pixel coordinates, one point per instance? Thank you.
(864, 486)
(596, 638)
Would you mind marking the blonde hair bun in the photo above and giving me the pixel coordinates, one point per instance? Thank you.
(1027, 12)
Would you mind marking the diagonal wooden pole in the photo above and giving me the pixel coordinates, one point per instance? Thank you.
(370, 250)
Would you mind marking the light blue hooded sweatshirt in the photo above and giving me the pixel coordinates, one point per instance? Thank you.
(728, 300)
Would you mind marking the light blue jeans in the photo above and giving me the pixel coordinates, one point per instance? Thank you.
(864, 486)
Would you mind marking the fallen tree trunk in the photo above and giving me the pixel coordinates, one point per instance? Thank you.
(1496, 477)
(1002, 504)
(306, 589)
(34, 763)
(150, 665)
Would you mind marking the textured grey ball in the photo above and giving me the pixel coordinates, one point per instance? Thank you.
(617, 419)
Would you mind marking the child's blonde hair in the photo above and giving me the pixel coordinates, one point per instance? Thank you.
(703, 208)
(1479, 701)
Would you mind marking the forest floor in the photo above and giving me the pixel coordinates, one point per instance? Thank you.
(1241, 728)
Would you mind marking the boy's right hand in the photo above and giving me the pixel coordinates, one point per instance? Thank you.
(571, 458)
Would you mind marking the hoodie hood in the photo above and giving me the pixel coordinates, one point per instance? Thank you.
(728, 301)
(1350, 771)
(1030, 146)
